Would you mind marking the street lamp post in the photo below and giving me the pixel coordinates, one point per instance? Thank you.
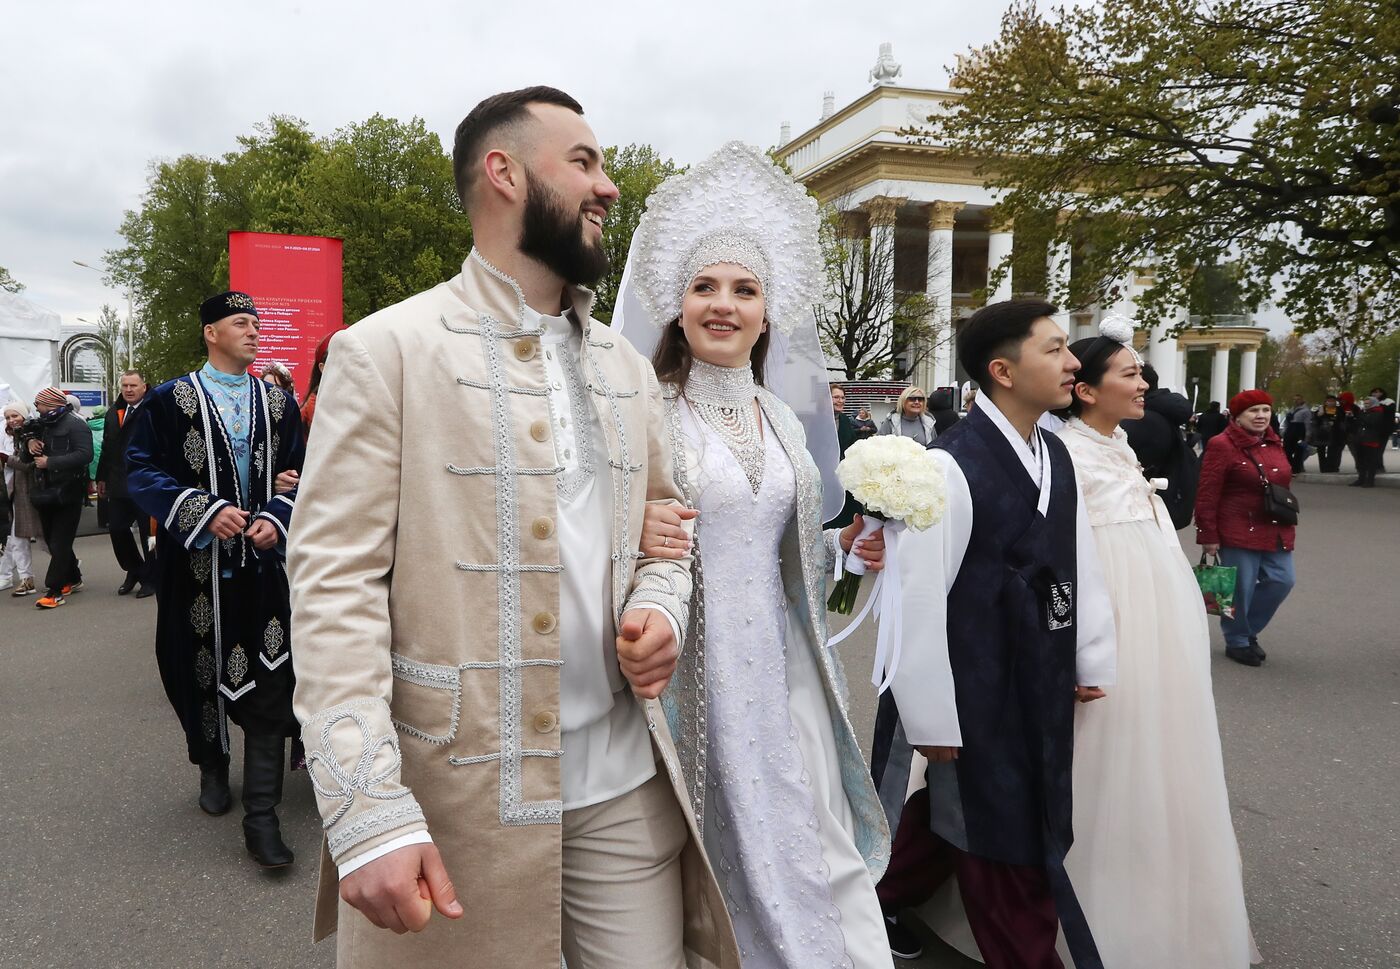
(127, 294)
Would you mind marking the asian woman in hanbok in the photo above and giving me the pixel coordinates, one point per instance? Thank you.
(1155, 861)
(720, 284)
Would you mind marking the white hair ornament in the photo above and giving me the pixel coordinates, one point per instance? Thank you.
(735, 206)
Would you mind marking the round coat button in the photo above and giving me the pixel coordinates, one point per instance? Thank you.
(526, 349)
(539, 430)
(544, 623)
(542, 528)
(545, 722)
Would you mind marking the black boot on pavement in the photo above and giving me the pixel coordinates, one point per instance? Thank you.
(262, 792)
(1258, 650)
(1243, 655)
(125, 588)
(214, 795)
(904, 944)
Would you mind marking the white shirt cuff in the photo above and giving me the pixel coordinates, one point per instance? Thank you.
(675, 628)
(402, 841)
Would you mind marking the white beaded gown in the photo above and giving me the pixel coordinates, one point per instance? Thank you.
(1155, 862)
(778, 823)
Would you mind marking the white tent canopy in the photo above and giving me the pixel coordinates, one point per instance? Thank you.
(29, 339)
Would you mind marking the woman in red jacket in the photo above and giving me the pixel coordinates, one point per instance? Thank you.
(1231, 520)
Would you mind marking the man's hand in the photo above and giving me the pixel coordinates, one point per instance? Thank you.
(102, 489)
(646, 651)
(229, 522)
(1088, 694)
(663, 534)
(263, 534)
(285, 482)
(36, 447)
(939, 755)
(399, 891)
(42, 461)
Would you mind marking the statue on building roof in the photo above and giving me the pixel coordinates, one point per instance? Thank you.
(886, 69)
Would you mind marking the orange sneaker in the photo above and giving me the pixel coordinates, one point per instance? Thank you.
(50, 600)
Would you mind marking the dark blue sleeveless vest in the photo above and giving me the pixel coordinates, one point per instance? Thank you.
(1011, 645)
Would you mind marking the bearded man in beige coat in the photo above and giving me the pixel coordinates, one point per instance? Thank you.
(479, 644)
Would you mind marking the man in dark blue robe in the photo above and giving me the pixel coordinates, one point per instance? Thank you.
(1006, 623)
(204, 460)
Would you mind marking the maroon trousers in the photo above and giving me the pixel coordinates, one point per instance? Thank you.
(1009, 907)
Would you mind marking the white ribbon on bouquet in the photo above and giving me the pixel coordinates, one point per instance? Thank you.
(884, 602)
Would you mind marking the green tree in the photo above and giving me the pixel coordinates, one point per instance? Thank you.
(174, 255)
(385, 187)
(1379, 366)
(261, 187)
(1253, 132)
(8, 283)
(382, 186)
(636, 170)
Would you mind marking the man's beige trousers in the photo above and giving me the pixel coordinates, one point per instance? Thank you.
(621, 903)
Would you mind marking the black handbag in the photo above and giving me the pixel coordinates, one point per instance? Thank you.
(1280, 504)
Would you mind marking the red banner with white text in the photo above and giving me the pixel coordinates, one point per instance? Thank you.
(295, 283)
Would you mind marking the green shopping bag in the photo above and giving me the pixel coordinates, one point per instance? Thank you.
(1217, 584)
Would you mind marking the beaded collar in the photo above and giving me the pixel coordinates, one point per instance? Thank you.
(723, 398)
(727, 386)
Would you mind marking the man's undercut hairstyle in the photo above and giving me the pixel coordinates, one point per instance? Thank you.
(998, 330)
(134, 373)
(488, 119)
(1149, 374)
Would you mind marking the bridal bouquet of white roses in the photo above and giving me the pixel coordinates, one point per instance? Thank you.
(900, 485)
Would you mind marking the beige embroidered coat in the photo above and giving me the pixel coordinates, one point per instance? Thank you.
(424, 568)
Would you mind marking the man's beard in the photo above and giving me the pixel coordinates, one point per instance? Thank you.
(552, 235)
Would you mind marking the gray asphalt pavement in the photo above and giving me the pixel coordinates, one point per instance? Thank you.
(107, 863)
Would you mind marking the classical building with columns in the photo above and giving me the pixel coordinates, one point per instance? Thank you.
(931, 213)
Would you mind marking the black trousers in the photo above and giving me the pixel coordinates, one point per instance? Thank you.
(1295, 446)
(126, 527)
(60, 527)
(1329, 456)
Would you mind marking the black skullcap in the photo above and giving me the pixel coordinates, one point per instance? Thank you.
(215, 308)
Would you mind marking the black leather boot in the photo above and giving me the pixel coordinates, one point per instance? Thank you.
(214, 796)
(262, 792)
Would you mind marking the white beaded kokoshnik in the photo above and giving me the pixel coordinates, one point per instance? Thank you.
(723, 397)
(735, 206)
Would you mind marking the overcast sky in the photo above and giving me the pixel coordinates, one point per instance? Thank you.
(94, 91)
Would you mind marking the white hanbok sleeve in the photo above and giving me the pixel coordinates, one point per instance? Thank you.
(1096, 646)
(929, 562)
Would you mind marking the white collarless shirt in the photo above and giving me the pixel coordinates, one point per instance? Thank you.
(607, 748)
(606, 744)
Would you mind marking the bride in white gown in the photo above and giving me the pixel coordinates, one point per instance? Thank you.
(726, 259)
(1155, 860)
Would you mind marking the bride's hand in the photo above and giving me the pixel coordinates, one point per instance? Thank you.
(664, 535)
(871, 549)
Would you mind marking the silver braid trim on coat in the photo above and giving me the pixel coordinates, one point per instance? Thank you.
(684, 700)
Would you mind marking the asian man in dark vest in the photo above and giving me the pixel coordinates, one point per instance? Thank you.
(1006, 624)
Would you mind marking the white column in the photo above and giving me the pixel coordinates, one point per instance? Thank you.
(1057, 266)
(1178, 381)
(1161, 353)
(1220, 375)
(999, 242)
(1249, 365)
(938, 287)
